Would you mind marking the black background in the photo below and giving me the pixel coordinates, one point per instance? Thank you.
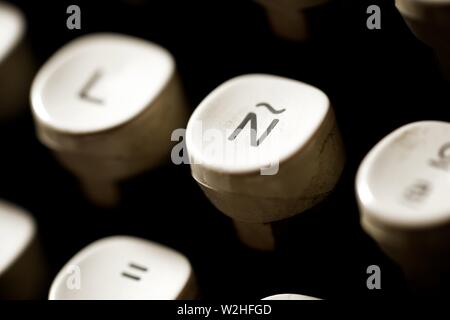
(377, 80)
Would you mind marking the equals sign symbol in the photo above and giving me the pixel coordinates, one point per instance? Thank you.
(135, 267)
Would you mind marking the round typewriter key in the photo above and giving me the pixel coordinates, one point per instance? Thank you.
(430, 22)
(289, 296)
(125, 268)
(263, 149)
(288, 18)
(22, 267)
(106, 105)
(16, 63)
(402, 189)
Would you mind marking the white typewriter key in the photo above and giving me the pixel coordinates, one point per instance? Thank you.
(16, 65)
(430, 22)
(263, 149)
(289, 296)
(21, 263)
(402, 189)
(106, 105)
(125, 268)
(288, 18)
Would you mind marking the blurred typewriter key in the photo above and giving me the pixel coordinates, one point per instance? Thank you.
(22, 267)
(263, 149)
(289, 296)
(106, 105)
(430, 22)
(289, 18)
(402, 189)
(16, 63)
(125, 268)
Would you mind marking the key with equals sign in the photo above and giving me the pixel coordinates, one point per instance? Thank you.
(136, 267)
